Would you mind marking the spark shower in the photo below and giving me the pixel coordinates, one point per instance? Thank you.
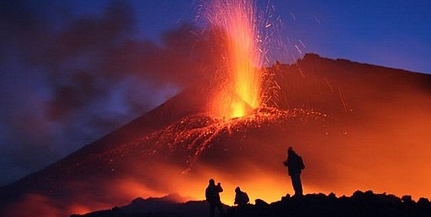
(238, 24)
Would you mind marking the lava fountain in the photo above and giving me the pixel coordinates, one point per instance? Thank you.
(241, 92)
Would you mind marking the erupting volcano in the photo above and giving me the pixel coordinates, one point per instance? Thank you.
(357, 126)
(353, 130)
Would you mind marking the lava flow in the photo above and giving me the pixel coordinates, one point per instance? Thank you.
(196, 134)
(197, 147)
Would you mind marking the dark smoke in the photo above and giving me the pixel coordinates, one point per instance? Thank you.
(68, 81)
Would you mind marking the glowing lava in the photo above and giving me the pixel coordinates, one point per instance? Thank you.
(242, 92)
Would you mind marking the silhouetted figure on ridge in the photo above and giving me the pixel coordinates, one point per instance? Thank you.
(213, 198)
(241, 198)
(294, 166)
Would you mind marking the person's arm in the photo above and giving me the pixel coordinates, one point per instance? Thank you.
(220, 189)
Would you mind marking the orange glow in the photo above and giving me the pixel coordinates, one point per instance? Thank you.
(241, 94)
(374, 158)
(238, 109)
(79, 209)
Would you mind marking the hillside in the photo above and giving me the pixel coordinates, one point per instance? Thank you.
(357, 126)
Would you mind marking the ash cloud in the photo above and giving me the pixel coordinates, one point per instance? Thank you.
(68, 80)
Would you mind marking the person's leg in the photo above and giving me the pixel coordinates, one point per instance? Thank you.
(297, 185)
(292, 177)
(220, 208)
(300, 192)
(212, 208)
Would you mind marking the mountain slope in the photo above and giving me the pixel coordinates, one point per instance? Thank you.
(357, 126)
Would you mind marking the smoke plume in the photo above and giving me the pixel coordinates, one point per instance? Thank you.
(67, 82)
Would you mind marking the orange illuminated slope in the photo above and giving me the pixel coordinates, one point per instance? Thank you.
(357, 127)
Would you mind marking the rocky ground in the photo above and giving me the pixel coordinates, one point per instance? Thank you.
(366, 204)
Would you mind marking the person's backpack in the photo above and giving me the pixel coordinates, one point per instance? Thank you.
(242, 198)
(246, 199)
(301, 163)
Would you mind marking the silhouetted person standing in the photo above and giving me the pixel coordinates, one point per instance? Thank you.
(241, 198)
(294, 166)
(213, 198)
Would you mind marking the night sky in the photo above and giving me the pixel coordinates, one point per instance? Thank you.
(72, 71)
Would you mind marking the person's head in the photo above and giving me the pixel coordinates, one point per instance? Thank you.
(211, 182)
(237, 190)
(290, 150)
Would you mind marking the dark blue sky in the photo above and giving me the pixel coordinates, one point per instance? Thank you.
(387, 33)
(72, 71)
